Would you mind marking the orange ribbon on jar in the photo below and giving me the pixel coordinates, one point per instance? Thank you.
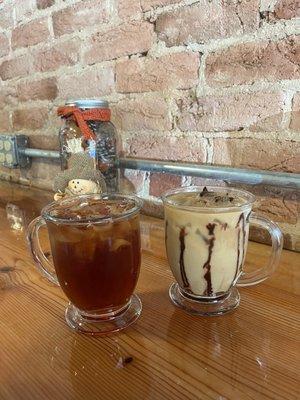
(81, 116)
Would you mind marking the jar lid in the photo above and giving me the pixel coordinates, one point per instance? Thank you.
(91, 103)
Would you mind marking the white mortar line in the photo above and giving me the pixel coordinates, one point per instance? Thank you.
(50, 27)
(287, 109)
(209, 151)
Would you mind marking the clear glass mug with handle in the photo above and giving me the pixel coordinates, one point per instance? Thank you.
(96, 250)
(206, 235)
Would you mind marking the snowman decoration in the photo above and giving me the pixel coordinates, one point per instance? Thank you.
(80, 178)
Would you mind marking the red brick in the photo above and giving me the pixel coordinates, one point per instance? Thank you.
(142, 113)
(257, 153)
(176, 70)
(54, 123)
(32, 118)
(33, 32)
(45, 142)
(44, 89)
(17, 67)
(205, 21)
(166, 147)
(63, 54)
(4, 45)
(128, 8)
(259, 235)
(160, 183)
(128, 38)
(6, 16)
(279, 204)
(148, 4)
(94, 82)
(287, 9)
(42, 172)
(295, 118)
(154, 209)
(231, 112)
(79, 16)
(249, 62)
(4, 121)
(24, 9)
(42, 4)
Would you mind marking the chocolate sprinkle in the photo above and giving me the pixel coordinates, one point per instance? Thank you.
(204, 191)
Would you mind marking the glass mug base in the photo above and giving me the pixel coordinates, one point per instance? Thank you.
(223, 305)
(104, 324)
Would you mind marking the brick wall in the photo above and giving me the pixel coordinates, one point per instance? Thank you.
(210, 81)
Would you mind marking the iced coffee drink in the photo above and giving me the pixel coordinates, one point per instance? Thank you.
(206, 239)
(98, 265)
(96, 251)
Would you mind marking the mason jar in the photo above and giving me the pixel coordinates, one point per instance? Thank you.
(100, 140)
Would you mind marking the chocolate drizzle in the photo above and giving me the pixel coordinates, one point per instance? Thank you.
(241, 230)
(246, 221)
(182, 235)
(238, 255)
(207, 266)
(223, 225)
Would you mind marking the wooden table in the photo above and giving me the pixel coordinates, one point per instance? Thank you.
(252, 353)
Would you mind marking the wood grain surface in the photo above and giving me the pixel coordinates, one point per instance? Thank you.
(253, 353)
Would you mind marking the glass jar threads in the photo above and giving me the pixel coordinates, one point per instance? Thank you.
(87, 128)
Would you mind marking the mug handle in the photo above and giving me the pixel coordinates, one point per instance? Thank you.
(252, 278)
(37, 253)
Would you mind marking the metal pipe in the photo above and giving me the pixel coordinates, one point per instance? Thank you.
(40, 153)
(241, 175)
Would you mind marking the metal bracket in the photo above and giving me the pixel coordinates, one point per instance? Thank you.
(10, 151)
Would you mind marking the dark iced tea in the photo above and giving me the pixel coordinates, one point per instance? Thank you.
(97, 255)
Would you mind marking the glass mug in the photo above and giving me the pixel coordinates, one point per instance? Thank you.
(96, 250)
(206, 244)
